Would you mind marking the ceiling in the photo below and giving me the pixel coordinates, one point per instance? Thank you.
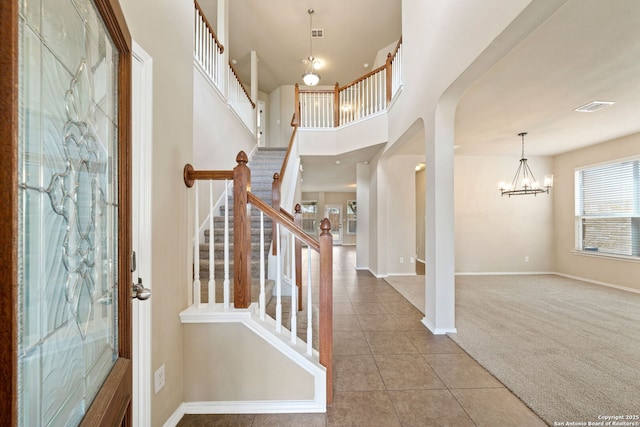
(587, 50)
(278, 31)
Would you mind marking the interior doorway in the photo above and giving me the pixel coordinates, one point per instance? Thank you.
(334, 214)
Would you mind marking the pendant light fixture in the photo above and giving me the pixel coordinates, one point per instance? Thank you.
(310, 77)
(528, 184)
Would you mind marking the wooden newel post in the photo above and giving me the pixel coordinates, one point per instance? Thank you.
(297, 220)
(241, 234)
(326, 304)
(389, 76)
(275, 204)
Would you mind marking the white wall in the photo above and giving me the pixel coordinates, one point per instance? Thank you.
(362, 198)
(400, 206)
(421, 192)
(608, 270)
(335, 141)
(281, 107)
(495, 233)
(381, 56)
(249, 370)
(218, 136)
(166, 32)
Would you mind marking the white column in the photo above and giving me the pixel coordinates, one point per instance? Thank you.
(440, 239)
(362, 200)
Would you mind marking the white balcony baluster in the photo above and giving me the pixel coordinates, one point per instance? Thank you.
(294, 292)
(196, 253)
(278, 281)
(226, 245)
(309, 306)
(212, 274)
(262, 279)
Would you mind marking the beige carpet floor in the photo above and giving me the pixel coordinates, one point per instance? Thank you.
(569, 349)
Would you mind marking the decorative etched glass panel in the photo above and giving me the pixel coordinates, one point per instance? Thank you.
(67, 339)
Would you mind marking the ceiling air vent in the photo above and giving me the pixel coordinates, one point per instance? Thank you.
(317, 33)
(594, 106)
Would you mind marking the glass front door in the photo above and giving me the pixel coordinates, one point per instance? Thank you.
(69, 210)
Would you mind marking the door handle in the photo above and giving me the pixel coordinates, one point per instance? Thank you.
(139, 291)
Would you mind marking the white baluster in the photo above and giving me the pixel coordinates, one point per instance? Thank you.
(195, 36)
(294, 292)
(196, 253)
(212, 274)
(261, 250)
(278, 282)
(309, 305)
(226, 245)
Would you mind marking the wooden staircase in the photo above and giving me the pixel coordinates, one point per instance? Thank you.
(263, 165)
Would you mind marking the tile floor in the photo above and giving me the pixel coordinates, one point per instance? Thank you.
(389, 370)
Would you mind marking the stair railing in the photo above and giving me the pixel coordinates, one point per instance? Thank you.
(243, 200)
(362, 98)
(209, 55)
(208, 51)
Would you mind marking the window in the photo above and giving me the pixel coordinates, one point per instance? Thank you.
(310, 216)
(608, 208)
(352, 217)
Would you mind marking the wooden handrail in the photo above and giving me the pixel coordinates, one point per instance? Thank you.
(190, 175)
(366, 76)
(283, 220)
(287, 214)
(289, 147)
(235, 73)
(395, 51)
(209, 26)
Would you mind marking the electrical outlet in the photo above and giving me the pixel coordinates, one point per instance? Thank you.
(401, 260)
(412, 260)
(526, 259)
(159, 378)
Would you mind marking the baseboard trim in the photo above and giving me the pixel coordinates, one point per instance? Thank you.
(503, 273)
(249, 407)
(253, 407)
(597, 282)
(175, 418)
(568, 276)
(401, 274)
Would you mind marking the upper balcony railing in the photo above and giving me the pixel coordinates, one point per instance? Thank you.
(209, 54)
(361, 98)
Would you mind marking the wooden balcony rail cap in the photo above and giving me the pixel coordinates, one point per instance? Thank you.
(209, 27)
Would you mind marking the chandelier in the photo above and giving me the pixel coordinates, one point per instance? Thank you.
(310, 77)
(525, 178)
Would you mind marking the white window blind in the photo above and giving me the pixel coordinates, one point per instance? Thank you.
(608, 208)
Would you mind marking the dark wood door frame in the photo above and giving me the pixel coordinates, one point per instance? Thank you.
(114, 399)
